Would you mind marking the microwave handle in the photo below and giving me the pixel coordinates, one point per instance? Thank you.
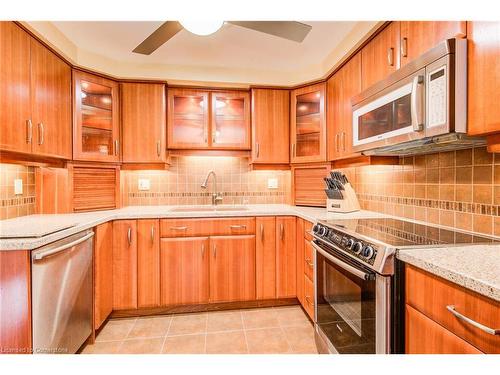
(417, 99)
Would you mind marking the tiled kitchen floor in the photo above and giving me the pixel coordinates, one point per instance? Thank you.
(268, 330)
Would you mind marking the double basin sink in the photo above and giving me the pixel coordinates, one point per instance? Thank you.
(209, 209)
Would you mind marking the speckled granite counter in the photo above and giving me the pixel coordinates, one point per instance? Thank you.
(474, 267)
(33, 224)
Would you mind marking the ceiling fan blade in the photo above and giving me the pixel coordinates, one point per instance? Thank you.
(161, 35)
(291, 30)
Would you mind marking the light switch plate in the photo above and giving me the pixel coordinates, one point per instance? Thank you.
(18, 186)
(144, 184)
(272, 183)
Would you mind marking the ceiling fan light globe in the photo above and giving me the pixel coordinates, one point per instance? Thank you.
(202, 27)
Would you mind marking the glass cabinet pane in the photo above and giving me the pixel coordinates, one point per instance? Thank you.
(229, 127)
(308, 124)
(189, 120)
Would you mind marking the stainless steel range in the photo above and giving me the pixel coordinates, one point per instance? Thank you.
(354, 278)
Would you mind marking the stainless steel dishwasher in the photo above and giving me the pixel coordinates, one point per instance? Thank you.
(61, 282)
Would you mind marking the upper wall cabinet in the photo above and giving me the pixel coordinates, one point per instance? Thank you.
(308, 124)
(419, 36)
(35, 92)
(96, 122)
(144, 122)
(200, 119)
(270, 126)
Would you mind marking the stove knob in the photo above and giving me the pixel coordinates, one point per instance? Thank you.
(316, 228)
(368, 252)
(350, 243)
(322, 231)
(358, 246)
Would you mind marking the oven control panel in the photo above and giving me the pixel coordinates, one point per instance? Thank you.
(360, 249)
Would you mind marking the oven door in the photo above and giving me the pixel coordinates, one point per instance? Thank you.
(345, 302)
(393, 115)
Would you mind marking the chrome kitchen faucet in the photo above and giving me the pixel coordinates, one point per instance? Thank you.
(216, 197)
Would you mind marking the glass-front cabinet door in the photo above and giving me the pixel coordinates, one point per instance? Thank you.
(308, 130)
(230, 123)
(188, 119)
(96, 133)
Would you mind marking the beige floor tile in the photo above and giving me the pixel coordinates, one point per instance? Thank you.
(150, 327)
(261, 318)
(226, 343)
(267, 341)
(142, 346)
(187, 344)
(108, 347)
(291, 316)
(117, 329)
(188, 324)
(301, 339)
(222, 321)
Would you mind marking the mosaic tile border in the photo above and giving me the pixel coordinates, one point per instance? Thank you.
(10, 202)
(201, 195)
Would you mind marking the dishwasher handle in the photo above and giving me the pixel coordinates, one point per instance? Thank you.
(43, 254)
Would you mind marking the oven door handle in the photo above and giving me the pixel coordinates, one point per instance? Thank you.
(341, 264)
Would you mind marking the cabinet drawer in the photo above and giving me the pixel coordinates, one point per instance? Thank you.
(309, 297)
(308, 260)
(431, 295)
(207, 227)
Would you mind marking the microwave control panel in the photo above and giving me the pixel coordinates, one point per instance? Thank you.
(437, 97)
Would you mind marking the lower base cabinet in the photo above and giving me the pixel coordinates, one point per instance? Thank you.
(286, 257)
(148, 263)
(103, 273)
(309, 297)
(265, 257)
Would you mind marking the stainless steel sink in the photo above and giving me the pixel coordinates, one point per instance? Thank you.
(209, 209)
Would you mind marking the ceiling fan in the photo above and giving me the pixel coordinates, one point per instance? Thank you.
(291, 30)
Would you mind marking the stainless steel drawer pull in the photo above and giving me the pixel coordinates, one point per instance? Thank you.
(129, 236)
(41, 136)
(491, 331)
(238, 226)
(179, 228)
(29, 133)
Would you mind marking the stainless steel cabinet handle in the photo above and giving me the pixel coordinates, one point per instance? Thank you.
(179, 228)
(213, 137)
(41, 133)
(293, 150)
(129, 236)
(343, 141)
(404, 47)
(262, 232)
(238, 226)
(116, 147)
(44, 254)
(258, 150)
(215, 251)
(491, 331)
(29, 131)
(202, 250)
(282, 231)
(308, 300)
(417, 103)
(390, 56)
(337, 143)
(153, 234)
(309, 262)
(158, 148)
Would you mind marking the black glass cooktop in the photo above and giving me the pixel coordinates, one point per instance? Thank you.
(401, 233)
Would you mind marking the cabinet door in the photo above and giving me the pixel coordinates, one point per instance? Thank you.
(230, 122)
(483, 77)
(334, 114)
(270, 126)
(232, 268)
(50, 102)
(300, 259)
(103, 273)
(265, 257)
(15, 109)
(419, 36)
(380, 57)
(187, 125)
(148, 263)
(124, 264)
(184, 270)
(286, 257)
(144, 122)
(308, 297)
(308, 124)
(96, 122)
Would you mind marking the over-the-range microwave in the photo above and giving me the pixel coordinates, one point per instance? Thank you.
(420, 108)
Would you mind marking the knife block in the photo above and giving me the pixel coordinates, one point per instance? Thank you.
(349, 203)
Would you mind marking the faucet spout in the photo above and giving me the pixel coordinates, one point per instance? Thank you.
(216, 197)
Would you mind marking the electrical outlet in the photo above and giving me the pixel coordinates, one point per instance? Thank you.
(144, 184)
(18, 186)
(272, 183)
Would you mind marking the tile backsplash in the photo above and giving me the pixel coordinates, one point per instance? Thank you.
(14, 205)
(458, 188)
(181, 184)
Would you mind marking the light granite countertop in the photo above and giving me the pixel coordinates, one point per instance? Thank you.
(475, 267)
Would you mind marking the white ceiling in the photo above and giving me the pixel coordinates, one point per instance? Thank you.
(232, 54)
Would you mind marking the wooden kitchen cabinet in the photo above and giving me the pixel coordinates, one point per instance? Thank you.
(144, 122)
(230, 120)
(286, 257)
(35, 92)
(96, 121)
(419, 36)
(341, 87)
(270, 126)
(265, 257)
(308, 124)
(184, 271)
(309, 297)
(300, 256)
(124, 264)
(380, 57)
(232, 268)
(103, 273)
(148, 263)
